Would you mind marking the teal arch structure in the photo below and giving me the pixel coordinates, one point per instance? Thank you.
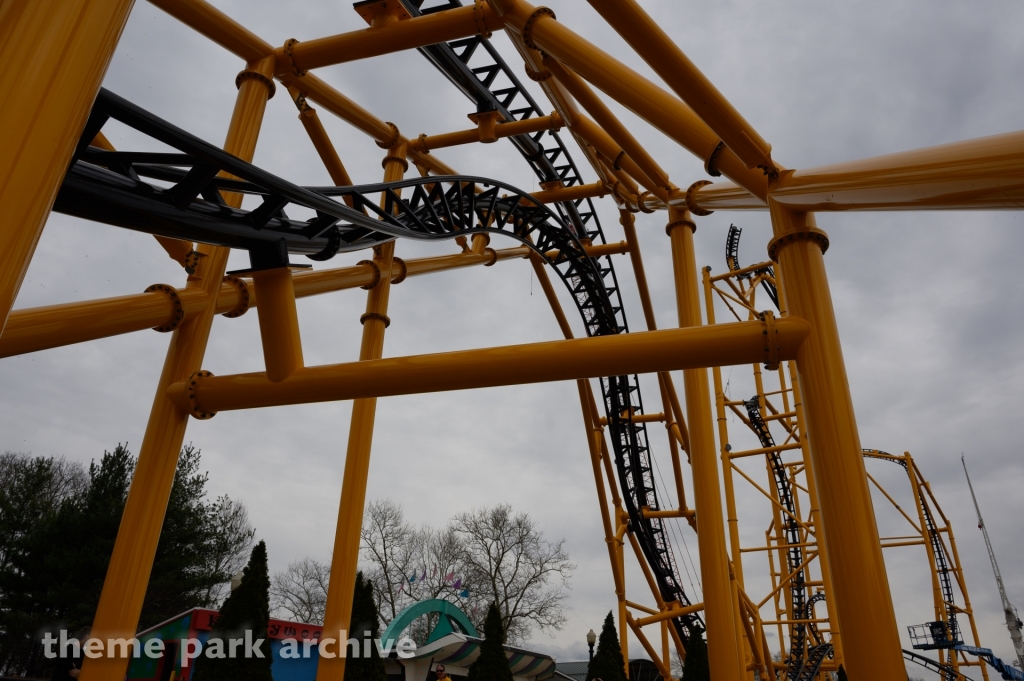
(451, 620)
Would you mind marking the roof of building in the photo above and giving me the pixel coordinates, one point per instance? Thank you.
(641, 669)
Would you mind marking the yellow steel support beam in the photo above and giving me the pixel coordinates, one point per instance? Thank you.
(986, 173)
(617, 157)
(279, 322)
(395, 36)
(725, 650)
(124, 588)
(580, 191)
(386, 134)
(218, 27)
(659, 51)
(55, 53)
(165, 308)
(634, 353)
(604, 117)
(538, 29)
(862, 600)
(814, 517)
(338, 610)
(499, 130)
(675, 611)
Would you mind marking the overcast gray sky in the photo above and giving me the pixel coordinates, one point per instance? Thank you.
(929, 304)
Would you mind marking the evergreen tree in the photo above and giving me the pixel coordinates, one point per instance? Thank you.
(492, 665)
(365, 625)
(696, 666)
(608, 663)
(58, 524)
(246, 610)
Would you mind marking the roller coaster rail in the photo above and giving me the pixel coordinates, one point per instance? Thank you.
(475, 73)
(108, 187)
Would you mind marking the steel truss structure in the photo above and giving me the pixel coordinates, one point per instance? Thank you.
(829, 590)
(799, 579)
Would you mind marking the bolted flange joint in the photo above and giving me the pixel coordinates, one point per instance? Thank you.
(190, 388)
(691, 199)
(530, 21)
(243, 296)
(403, 270)
(376, 274)
(259, 77)
(808, 234)
(771, 340)
(177, 309)
(375, 315)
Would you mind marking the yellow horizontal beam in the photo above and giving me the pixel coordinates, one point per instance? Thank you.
(425, 143)
(218, 27)
(580, 191)
(764, 450)
(979, 174)
(652, 43)
(634, 353)
(639, 418)
(41, 328)
(669, 513)
(669, 614)
(406, 34)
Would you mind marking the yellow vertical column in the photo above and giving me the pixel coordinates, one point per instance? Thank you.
(279, 322)
(814, 514)
(723, 440)
(132, 560)
(55, 53)
(725, 651)
(863, 603)
(357, 461)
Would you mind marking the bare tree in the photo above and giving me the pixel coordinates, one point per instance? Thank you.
(300, 592)
(489, 555)
(233, 539)
(509, 562)
(390, 548)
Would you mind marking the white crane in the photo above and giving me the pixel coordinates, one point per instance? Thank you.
(1013, 622)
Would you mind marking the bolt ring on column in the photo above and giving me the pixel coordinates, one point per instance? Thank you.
(256, 75)
(178, 312)
(375, 315)
(191, 384)
(812, 234)
(243, 296)
(395, 159)
(677, 223)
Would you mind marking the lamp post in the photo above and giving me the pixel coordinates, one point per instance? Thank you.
(591, 640)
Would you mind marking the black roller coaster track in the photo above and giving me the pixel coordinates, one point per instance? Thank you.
(938, 554)
(732, 251)
(945, 672)
(476, 68)
(182, 199)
